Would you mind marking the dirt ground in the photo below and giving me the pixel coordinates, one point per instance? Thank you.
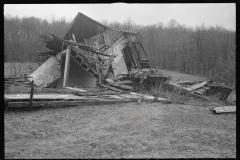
(152, 130)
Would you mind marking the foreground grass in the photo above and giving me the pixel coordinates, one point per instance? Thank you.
(151, 130)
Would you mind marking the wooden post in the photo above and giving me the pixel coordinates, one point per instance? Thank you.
(67, 65)
(31, 94)
(74, 39)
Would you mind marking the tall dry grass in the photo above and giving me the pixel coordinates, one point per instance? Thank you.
(174, 95)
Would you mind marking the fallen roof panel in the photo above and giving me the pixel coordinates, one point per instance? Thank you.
(47, 73)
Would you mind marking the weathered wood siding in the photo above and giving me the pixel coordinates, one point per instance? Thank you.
(119, 64)
(83, 27)
(47, 73)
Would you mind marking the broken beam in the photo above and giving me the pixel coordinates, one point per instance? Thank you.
(225, 109)
(112, 88)
(67, 65)
(123, 82)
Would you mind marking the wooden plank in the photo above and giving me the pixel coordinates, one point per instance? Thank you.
(76, 89)
(108, 65)
(74, 38)
(149, 97)
(111, 82)
(68, 103)
(31, 94)
(225, 109)
(188, 82)
(96, 93)
(99, 73)
(191, 93)
(126, 87)
(117, 78)
(196, 86)
(12, 89)
(130, 96)
(200, 90)
(98, 68)
(124, 82)
(119, 64)
(115, 96)
(112, 88)
(106, 40)
(49, 96)
(66, 68)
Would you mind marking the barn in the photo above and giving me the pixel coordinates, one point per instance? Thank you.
(125, 47)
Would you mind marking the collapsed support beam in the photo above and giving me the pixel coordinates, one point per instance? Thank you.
(67, 65)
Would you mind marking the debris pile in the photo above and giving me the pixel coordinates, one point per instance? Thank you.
(203, 89)
(112, 62)
(95, 62)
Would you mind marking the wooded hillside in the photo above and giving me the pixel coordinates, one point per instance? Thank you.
(206, 51)
(21, 37)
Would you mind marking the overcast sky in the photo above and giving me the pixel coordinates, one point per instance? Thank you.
(193, 14)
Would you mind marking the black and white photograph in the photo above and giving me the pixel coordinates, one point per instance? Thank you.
(119, 80)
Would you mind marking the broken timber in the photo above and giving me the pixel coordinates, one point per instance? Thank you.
(67, 65)
(112, 88)
(47, 73)
(57, 99)
(187, 91)
(31, 94)
(225, 109)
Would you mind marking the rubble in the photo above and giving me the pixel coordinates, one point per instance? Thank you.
(203, 89)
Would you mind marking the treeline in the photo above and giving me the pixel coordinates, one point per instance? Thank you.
(205, 51)
(21, 37)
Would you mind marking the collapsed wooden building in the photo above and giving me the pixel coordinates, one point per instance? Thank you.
(94, 63)
(86, 56)
(128, 53)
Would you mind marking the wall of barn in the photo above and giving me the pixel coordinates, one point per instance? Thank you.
(77, 76)
(83, 28)
(119, 64)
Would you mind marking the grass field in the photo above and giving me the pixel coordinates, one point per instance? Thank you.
(16, 69)
(152, 130)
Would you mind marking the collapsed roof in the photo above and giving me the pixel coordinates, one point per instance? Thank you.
(92, 58)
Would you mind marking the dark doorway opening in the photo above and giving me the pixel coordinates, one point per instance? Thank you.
(142, 56)
(128, 57)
